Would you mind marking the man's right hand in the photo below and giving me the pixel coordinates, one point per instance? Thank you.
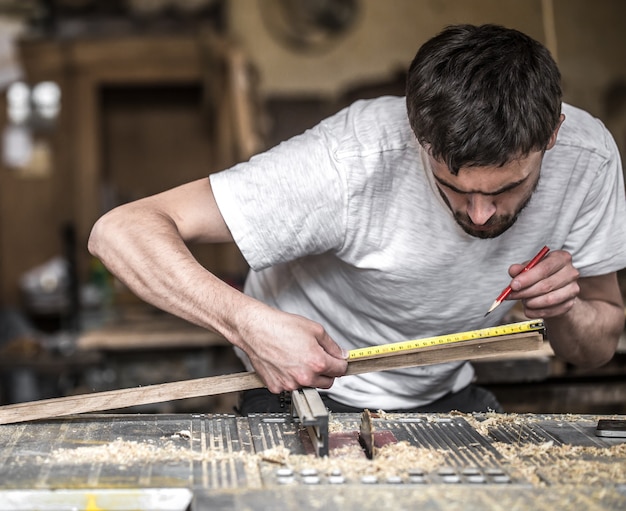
(289, 351)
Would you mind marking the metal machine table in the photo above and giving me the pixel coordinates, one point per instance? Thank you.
(266, 462)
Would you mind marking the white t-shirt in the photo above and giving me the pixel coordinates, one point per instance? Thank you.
(344, 225)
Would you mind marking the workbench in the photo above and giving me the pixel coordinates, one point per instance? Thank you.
(266, 462)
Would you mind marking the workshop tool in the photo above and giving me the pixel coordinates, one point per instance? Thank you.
(366, 434)
(307, 404)
(373, 439)
(439, 340)
(510, 339)
(507, 290)
(470, 345)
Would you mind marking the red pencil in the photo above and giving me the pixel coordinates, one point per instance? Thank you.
(507, 290)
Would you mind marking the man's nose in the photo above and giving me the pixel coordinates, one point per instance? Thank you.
(480, 208)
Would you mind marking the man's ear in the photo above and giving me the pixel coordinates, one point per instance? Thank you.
(552, 140)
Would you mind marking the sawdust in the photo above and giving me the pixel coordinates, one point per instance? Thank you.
(493, 420)
(391, 460)
(540, 464)
(129, 452)
(335, 426)
(118, 452)
(279, 455)
(348, 462)
(482, 423)
(546, 464)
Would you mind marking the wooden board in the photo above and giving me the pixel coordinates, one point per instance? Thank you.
(148, 333)
(115, 399)
(510, 345)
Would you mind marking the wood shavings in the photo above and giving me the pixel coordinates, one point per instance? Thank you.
(391, 460)
(279, 455)
(545, 463)
(335, 426)
(566, 464)
(494, 420)
(129, 452)
(120, 452)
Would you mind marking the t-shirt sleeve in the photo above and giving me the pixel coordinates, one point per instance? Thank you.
(285, 203)
(597, 239)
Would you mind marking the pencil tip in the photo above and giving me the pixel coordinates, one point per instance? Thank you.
(493, 306)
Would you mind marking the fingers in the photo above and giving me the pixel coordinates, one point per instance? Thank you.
(549, 289)
(532, 309)
(301, 355)
(279, 382)
(331, 347)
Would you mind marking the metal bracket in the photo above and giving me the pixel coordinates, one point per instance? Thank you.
(308, 406)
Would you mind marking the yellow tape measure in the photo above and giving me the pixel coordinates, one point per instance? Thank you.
(535, 325)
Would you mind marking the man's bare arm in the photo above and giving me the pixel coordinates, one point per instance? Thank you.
(584, 315)
(144, 244)
(588, 333)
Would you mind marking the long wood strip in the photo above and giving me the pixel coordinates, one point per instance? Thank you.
(122, 398)
(214, 385)
(474, 349)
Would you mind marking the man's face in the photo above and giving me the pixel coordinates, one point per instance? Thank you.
(486, 201)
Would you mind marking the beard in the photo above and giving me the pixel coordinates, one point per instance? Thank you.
(494, 227)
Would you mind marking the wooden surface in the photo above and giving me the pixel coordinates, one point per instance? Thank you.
(148, 332)
(214, 385)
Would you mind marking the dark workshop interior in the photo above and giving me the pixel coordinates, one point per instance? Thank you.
(103, 102)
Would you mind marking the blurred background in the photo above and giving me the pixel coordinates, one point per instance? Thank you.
(103, 102)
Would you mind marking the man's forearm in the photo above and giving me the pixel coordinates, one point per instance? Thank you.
(147, 254)
(587, 335)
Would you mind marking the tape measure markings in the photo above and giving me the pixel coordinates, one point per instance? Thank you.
(484, 333)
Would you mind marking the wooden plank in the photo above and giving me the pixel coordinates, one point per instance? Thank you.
(474, 349)
(214, 385)
(114, 399)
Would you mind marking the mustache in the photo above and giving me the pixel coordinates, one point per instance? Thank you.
(493, 222)
(494, 227)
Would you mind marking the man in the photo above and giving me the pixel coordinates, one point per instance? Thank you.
(380, 225)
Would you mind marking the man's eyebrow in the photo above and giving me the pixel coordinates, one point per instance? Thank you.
(505, 188)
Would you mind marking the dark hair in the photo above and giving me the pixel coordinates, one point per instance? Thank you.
(483, 95)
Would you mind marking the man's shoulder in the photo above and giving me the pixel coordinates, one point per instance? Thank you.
(372, 126)
(382, 105)
(581, 129)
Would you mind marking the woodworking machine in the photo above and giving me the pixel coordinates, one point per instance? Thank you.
(308, 407)
(277, 461)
